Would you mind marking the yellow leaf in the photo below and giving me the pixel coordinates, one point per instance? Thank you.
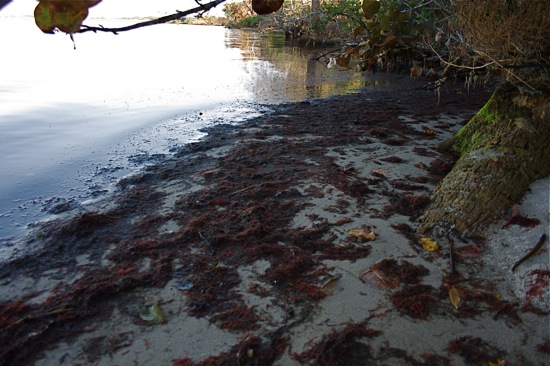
(454, 296)
(429, 244)
(152, 315)
(498, 362)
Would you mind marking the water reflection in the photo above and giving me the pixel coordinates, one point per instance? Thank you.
(71, 123)
(291, 73)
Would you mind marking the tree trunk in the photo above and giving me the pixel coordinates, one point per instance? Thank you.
(502, 150)
(315, 14)
(315, 6)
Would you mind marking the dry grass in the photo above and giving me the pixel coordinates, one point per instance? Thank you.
(510, 31)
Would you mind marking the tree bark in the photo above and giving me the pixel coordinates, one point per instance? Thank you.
(502, 150)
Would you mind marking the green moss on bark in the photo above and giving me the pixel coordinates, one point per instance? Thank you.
(502, 150)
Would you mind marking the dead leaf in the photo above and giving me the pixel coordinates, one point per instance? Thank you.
(429, 132)
(416, 71)
(378, 172)
(330, 280)
(342, 221)
(378, 278)
(362, 234)
(343, 60)
(455, 297)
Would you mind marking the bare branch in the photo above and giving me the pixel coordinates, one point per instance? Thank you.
(165, 19)
(457, 65)
(510, 72)
(4, 3)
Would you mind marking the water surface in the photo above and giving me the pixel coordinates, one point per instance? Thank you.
(72, 122)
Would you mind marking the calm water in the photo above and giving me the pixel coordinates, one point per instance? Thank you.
(72, 122)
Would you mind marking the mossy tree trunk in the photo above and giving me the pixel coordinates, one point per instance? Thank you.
(502, 150)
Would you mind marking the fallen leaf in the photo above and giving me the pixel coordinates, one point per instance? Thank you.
(152, 315)
(416, 71)
(330, 280)
(429, 132)
(362, 234)
(455, 297)
(378, 278)
(421, 165)
(342, 221)
(378, 172)
(498, 362)
(429, 244)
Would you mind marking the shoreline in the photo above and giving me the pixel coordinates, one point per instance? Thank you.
(251, 243)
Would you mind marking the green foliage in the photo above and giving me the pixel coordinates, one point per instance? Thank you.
(386, 31)
(346, 14)
(370, 8)
(249, 22)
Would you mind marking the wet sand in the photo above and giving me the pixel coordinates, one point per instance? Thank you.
(255, 246)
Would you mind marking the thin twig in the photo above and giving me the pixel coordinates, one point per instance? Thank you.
(451, 256)
(504, 67)
(531, 253)
(457, 65)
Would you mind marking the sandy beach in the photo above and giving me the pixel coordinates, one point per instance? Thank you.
(287, 240)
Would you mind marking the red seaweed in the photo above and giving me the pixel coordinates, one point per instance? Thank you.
(475, 351)
(341, 347)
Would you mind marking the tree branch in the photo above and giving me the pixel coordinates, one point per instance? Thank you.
(4, 3)
(457, 65)
(161, 20)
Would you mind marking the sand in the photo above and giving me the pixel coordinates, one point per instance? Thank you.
(347, 301)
